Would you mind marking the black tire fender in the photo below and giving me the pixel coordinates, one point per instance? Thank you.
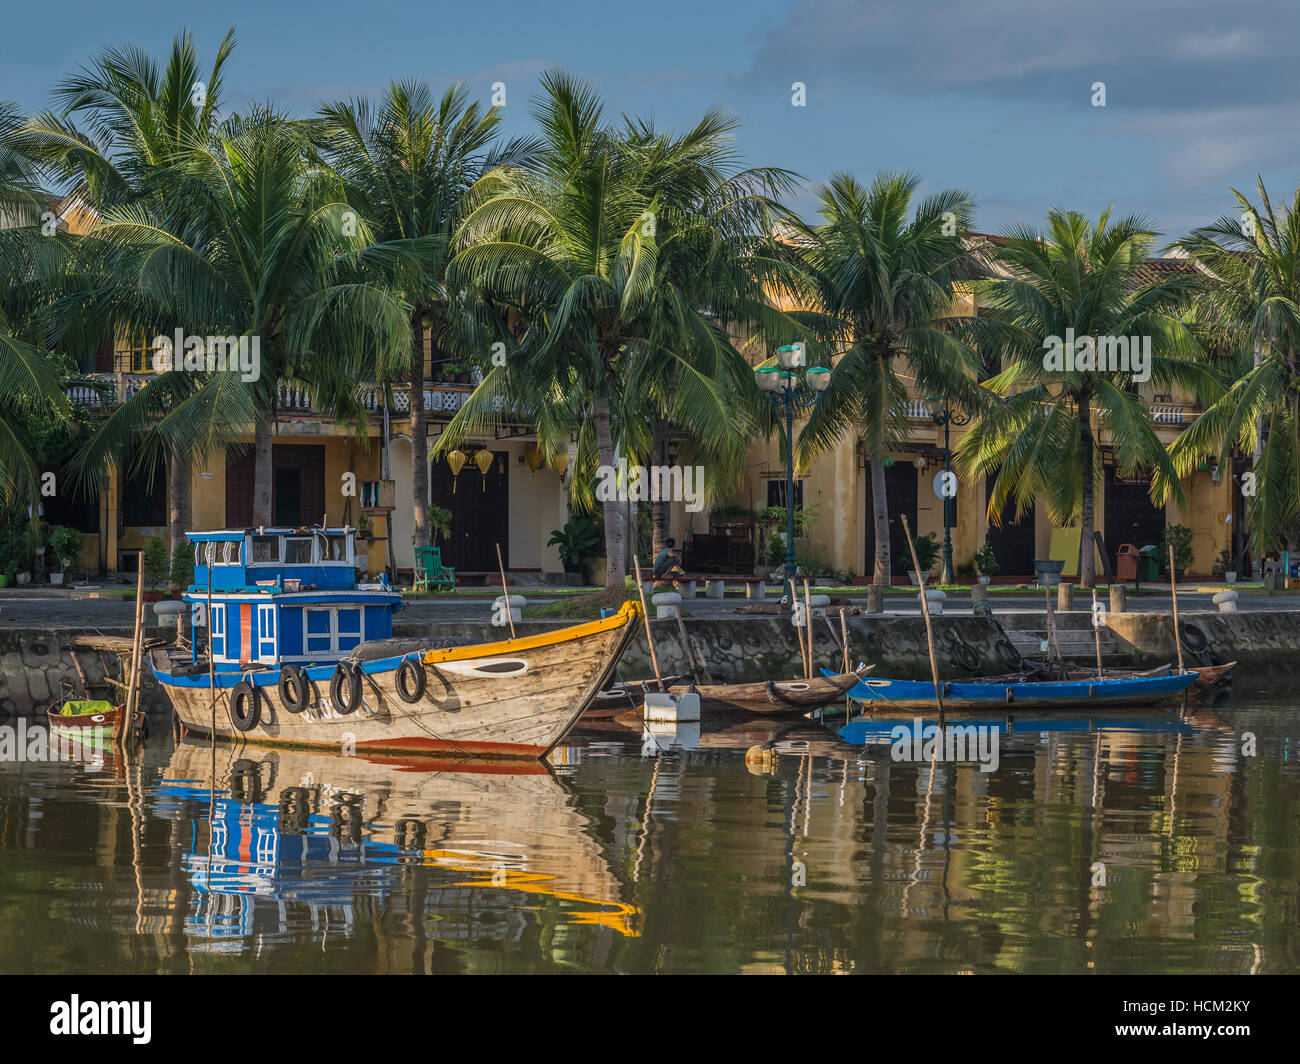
(964, 657)
(245, 706)
(293, 689)
(349, 672)
(413, 669)
(1193, 638)
(1008, 654)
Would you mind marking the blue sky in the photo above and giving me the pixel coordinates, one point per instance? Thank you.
(992, 97)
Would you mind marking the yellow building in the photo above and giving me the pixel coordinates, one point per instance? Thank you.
(837, 489)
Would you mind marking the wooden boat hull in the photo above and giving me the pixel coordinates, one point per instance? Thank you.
(85, 727)
(513, 699)
(774, 697)
(301, 825)
(1207, 676)
(878, 694)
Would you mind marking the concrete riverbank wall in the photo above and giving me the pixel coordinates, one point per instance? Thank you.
(1266, 645)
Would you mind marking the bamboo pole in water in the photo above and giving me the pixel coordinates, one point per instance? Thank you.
(649, 636)
(925, 612)
(506, 591)
(137, 640)
(808, 624)
(844, 637)
(1096, 628)
(1173, 588)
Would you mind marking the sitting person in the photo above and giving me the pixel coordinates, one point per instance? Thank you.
(668, 563)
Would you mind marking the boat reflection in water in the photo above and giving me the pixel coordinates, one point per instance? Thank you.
(294, 829)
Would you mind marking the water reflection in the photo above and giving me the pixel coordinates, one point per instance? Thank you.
(1138, 842)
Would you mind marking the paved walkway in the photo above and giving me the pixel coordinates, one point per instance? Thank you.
(21, 608)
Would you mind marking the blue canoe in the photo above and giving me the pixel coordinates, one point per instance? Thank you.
(1063, 694)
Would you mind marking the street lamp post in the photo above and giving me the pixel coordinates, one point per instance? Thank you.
(780, 388)
(942, 414)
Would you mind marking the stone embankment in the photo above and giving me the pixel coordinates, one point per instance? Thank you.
(34, 668)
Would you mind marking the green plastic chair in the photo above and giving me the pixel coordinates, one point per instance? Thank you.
(429, 570)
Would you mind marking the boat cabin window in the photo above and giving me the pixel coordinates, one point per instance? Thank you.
(220, 553)
(297, 551)
(266, 549)
(334, 548)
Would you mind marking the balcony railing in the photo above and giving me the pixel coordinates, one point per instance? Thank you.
(105, 391)
(1181, 414)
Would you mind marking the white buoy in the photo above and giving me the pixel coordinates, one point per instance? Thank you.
(672, 709)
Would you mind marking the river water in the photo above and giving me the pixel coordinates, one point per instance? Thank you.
(1139, 842)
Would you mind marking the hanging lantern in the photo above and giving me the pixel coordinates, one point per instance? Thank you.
(456, 460)
(484, 458)
(534, 459)
(560, 463)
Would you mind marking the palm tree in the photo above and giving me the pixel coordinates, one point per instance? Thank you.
(1247, 298)
(715, 260)
(1042, 439)
(29, 378)
(408, 164)
(598, 261)
(879, 289)
(254, 242)
(119, 122)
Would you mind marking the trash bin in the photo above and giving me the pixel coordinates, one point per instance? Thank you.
(1149, 563)
(1126, 562)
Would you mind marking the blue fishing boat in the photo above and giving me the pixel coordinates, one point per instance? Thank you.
(299, 654)
(276, 596)
(1048, 694)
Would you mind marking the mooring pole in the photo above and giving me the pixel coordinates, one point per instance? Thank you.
(925, 612)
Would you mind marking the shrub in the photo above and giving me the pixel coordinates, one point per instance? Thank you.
(66, 543)
(439, 523)
(182, 572)
(155, 562)
(985, 560)
(1180, 537)
(927, 551)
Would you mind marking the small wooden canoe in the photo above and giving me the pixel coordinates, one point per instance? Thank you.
(1207, 676)
(774, 697)
(1047, 694)
(83, 726)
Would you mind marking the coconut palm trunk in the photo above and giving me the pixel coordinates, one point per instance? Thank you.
(615, 539)
(659, 510)
(419, 443)
(880, 514)
(262, 472)
(178, 499)
(1087, 519)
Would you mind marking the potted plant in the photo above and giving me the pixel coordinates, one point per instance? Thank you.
(439, 523)
(1225, 566)
(927, 550)
(575, 541)
(1180, 538)
(364, 527)
(182, 570)
(156, 567)
(985, 562)
(67, 545)
(10, 571)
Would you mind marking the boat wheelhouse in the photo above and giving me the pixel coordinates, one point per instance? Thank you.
(274, 596)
